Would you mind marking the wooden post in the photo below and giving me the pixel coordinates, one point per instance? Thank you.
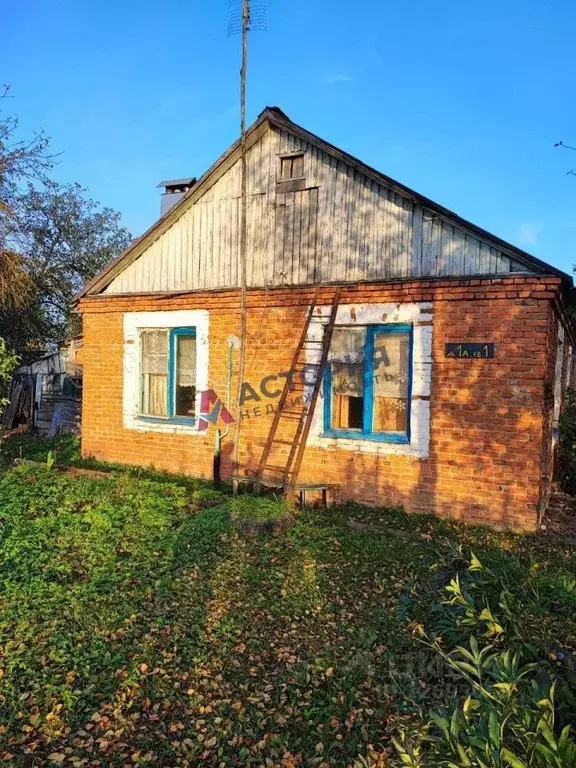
(243, 230)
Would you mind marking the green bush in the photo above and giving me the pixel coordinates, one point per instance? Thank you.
(8, 363)
(506, 719)
(566, 460)
(506, 703)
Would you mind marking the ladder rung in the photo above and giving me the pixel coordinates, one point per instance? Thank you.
(303, 417)
(301, 385)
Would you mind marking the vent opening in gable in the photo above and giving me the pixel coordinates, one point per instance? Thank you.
(291, 167)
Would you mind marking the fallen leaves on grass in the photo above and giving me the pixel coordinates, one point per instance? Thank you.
(135, 632)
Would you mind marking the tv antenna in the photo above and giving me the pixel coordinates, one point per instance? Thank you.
(257, 16)
(243, 16)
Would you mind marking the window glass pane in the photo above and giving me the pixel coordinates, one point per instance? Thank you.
(154, 367)
(347, 345)
(185, 378)
(391, 379)
(346, 359)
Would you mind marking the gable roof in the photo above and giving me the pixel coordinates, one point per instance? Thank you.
(275, 117)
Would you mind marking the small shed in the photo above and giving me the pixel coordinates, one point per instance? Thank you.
(46, 394)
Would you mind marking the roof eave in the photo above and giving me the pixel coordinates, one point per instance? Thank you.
(280, 120)
(275, 117)
(105, 277)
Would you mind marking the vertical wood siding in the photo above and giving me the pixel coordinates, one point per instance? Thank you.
(344, 227)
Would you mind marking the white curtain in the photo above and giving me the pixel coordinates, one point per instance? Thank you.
(154, 364)
(186, 361)
(185, 403)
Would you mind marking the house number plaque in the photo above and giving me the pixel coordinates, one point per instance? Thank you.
(466, 350)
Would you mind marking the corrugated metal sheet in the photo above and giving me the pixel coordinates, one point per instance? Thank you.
(343, 227)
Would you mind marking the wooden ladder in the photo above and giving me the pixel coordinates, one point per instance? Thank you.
(287, 471)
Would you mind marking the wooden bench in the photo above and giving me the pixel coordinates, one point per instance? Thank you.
(328, 490)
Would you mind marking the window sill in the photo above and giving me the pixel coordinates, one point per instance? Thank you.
(168, 421)
(385, 437)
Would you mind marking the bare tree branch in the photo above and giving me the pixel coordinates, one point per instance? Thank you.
(571, 172)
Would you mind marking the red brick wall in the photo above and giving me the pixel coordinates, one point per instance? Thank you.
(488, 416)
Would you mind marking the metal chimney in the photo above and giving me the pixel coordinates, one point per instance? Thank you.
(174, 191)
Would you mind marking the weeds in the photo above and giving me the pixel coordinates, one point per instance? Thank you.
(138, 627)
(506, 703)
(260, 514)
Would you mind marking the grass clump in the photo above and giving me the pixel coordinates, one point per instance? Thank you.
(260, 514)
(64, 451)
(207, 495)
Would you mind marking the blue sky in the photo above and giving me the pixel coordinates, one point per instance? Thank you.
(462, 101)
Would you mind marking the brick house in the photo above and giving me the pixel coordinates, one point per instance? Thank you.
(449, 353)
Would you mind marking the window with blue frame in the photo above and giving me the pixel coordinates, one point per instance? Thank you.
(168, 373)
(368, 383)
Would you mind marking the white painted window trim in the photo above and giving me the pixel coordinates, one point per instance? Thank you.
(134, 322)
(419, 315)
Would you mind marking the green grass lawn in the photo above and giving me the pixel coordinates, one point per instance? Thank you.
(136, 628)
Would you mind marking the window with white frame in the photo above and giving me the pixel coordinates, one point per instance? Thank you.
(168, 373)
(368, 383)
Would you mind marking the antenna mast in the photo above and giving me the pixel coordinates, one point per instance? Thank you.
(243, 16)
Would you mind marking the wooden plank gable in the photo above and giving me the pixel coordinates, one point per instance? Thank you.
(339, 225)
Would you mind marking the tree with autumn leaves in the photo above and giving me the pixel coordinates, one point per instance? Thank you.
(53, 238)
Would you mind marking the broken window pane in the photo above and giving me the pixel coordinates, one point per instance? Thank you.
(346, 358)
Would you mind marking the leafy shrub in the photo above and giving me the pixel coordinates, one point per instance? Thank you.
(504, 712)
(8, 363)
(506, 720)
(566, 460)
